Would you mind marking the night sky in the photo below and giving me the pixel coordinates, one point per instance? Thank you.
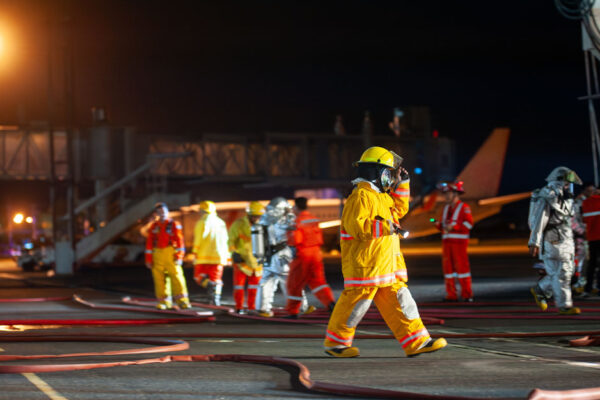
(291, 66)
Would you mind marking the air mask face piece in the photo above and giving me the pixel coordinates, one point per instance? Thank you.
(386, 179)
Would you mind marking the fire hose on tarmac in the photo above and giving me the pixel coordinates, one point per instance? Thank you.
(300, 375)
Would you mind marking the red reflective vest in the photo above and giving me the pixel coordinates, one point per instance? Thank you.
(307, 233)
(163, 234)
(590, 211)
(457, 220)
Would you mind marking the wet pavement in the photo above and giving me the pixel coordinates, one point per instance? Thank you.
(482, 359)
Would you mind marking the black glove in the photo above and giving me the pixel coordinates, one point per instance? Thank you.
(236, 258)
(404, 174)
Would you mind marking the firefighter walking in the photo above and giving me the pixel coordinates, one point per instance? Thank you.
(372, 263)
(456, 223)
(164, 257)
(245, 266)
(210, 250)
(307, 267)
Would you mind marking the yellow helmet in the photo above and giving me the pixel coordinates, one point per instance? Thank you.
(208, 206)
(255, 208)
(378, 155)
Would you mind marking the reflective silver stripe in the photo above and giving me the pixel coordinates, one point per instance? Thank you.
(468, 225)
(297, 298)
(445, 213)
(406, 340)
(457, 211)
(335, 338)
(180, 249)
(238, 287)
(388, 278)
(376, 228)
(315, 290)
(467, 275)
(309, 221)
(253, 286)
(148, 251)
(401, 273)
(591, 214)
(455, 236)
(450, 276)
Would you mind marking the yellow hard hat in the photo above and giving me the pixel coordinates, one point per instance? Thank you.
(208, 206)
(255, 208)
(377, 155)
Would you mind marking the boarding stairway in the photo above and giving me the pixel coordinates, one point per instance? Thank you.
(115, 210)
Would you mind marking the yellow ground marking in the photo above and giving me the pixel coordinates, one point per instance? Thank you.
(43, 386)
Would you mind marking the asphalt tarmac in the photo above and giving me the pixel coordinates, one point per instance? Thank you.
(481, 360)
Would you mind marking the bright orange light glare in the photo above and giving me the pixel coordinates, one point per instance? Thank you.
(29, 220)
(18, 218)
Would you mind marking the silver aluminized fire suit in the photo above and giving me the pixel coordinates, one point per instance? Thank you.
(278, 220)
(551, 231)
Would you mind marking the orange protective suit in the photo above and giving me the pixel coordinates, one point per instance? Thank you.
(307, 267)
(457, 221)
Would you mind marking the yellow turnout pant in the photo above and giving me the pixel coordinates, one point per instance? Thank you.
(167, 275)
(396, 306)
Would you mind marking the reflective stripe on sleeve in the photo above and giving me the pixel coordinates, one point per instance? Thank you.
(238, 287)
(310, 221)
(401, 273)
(297, 298)
(451, 276)
(468, 225)
(411, 337)
(467, 275)
(148, 251)
(181, 249)
(401, 193)
(370, 281)
(338, 339)
(253, 286)
(591, 214)
(345, 236)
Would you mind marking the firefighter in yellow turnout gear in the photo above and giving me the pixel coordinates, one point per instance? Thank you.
(372, 264)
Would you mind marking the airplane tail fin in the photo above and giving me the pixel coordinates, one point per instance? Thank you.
(482, 174)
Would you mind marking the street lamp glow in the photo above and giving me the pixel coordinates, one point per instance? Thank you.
(18, 218)
(29, 220)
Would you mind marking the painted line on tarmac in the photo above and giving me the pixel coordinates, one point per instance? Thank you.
(528, 356)
(43, 386)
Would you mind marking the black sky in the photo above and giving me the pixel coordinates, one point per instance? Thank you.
(255, 66)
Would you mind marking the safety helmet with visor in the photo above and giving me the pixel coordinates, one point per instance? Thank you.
(377, 165)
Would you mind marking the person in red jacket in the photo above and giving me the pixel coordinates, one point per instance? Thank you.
(590, 211)
(164, 257)
(307, 267)
(455, 224)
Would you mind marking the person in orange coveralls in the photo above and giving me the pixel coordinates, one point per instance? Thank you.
(307, 267)
(455, 224)
(164, 257)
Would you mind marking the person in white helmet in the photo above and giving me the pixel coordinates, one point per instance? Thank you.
(550, 220)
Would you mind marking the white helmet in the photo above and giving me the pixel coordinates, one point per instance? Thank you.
(276, 209)
(564, 174)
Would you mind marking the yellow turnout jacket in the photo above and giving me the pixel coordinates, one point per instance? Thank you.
(370, 252)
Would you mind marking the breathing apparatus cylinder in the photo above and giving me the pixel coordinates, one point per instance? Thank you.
(258, 242)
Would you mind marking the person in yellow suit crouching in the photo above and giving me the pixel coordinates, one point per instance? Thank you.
(372, 264)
